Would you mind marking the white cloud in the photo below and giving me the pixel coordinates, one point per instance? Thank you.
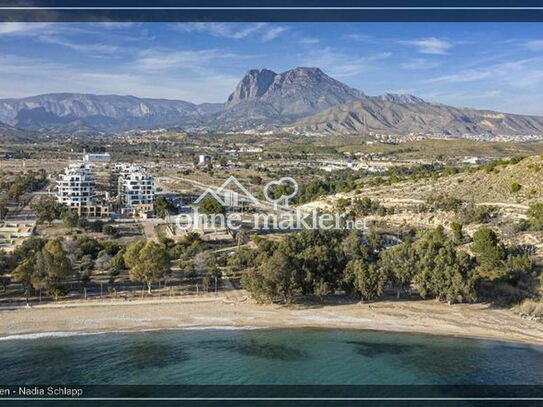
(273, 33)
(466, 75)
(236, 31)
(224, 30)
(430, 45)
(534, 45)
(521, 74)
(80, 46)
(154, 60)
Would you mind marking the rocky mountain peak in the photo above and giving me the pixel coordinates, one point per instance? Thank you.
(295, 92)
(253, 85)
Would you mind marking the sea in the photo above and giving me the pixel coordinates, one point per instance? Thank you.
(248, 358)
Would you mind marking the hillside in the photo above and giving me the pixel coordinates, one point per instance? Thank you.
(97, 112)
(9, 134)
(480, 186)
(436, 149)
(371, 115)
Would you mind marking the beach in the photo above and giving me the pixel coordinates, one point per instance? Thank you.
(239, 312)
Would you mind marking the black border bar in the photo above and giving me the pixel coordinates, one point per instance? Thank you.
(278, 11)
(278, 392)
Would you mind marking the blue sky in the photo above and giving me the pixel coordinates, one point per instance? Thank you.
(483, 65)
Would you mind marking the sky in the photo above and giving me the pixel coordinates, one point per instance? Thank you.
(497, 66)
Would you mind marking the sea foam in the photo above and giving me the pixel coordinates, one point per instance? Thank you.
(39, 335)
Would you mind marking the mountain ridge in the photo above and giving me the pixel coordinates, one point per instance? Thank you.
(303, 100)
(382, 117)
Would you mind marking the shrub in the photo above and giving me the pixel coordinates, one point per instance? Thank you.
(515, 187)
(443, 202)
(110, 230)
(535, 215)
(472, 213)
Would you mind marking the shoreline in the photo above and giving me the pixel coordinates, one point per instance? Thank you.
(476, 321)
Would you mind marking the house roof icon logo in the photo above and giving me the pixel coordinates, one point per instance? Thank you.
(226, 194)
(233, 193)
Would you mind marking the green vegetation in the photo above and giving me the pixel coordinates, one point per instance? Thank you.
(31, 181)
(319, 263)
(457, 232)
(466, 212)
(3, 210)
(492, 166)
(162, 207)
(495, 260)
(443, 202)
(148, 262)
(44, 266)
(367, 206)
(211, 206)
(535, 216)
(52, 265)
(515, 187)
(47, 209)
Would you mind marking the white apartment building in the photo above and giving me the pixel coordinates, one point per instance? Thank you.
(76, 186)
(136, 188)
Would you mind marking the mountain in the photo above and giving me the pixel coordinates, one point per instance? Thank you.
(383, 117)
(9, 134)
(301, 100)
(264, 97)
(296, 92)
(98, 112)
(399, 98)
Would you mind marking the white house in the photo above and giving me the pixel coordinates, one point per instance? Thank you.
(97, 158)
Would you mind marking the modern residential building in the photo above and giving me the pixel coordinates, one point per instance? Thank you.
(136, 189)
(76, 188)
(97, 158)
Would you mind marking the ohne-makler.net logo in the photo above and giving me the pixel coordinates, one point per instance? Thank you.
(272, 213)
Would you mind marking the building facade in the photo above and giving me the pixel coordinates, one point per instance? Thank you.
(76, 188)
(136, 190)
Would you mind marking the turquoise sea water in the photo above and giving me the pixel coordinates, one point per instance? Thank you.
(267, 357)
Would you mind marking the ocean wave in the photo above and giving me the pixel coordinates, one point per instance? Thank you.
(65, 334)
(40, 335)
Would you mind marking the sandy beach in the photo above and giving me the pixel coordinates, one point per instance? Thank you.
(428, 317)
